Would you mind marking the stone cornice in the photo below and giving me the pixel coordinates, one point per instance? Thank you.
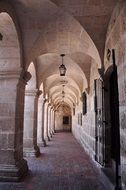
(20, 74)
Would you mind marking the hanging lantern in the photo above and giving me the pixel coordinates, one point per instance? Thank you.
(62, 67)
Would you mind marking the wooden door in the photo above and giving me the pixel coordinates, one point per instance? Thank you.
(99, 120)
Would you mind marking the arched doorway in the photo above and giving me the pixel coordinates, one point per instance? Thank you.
(30, 115)
(12, 87)
(63, 118)
(112, 126)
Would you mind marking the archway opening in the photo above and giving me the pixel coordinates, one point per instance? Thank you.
(30, 115)
(63, 118)
(12, 89)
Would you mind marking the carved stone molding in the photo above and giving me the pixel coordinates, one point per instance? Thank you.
(10, 74)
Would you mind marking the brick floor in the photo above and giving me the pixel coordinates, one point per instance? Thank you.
(63, 165)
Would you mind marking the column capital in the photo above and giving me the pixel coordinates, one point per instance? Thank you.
(45, 100)
(17, 75)
(33, 92)
(26, 76)
(51, 107)
(11, 74)
(49, 104)
(39, 92)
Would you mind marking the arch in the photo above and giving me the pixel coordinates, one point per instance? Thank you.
(63, 117)
(10, 52)
(45, 62)
(57, 81)
(12, 92)
(64, 34)
(32, 83)
(42, 87)
(54, 91)
(30, 115)
(56, 95)
(111, 112)
(66, 100)
(59, 104)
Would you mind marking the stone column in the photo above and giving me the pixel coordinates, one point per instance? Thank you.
(47, 123)
(43, 113)
(30, 123)
(51, 126)
(53, 121)
(39, 121)
(12, 89)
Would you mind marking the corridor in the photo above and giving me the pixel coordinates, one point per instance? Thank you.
(63, 165)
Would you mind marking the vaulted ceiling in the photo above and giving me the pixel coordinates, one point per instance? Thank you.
(76, 28)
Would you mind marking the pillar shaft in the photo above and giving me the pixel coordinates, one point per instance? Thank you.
(47, 124)
(30, 123)
(41, 122)
(50, 122)
(43, 127)
(53, 121)
(12, 164)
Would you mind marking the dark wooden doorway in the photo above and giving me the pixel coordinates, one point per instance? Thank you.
(114, 113)
(112, 127)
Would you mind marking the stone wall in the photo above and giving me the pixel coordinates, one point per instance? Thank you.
(59, 126)
(85, 133)
(116, 39)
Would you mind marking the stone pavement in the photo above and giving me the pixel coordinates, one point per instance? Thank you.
(63, 165)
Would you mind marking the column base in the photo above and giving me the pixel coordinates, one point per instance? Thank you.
(31, 152)
(53, 132)
(50, 134)
(43, 143)
(48, 138)
(13, 173)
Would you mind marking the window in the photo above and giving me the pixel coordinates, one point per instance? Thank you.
(80, 119)
(84, 103)
(73, 111)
